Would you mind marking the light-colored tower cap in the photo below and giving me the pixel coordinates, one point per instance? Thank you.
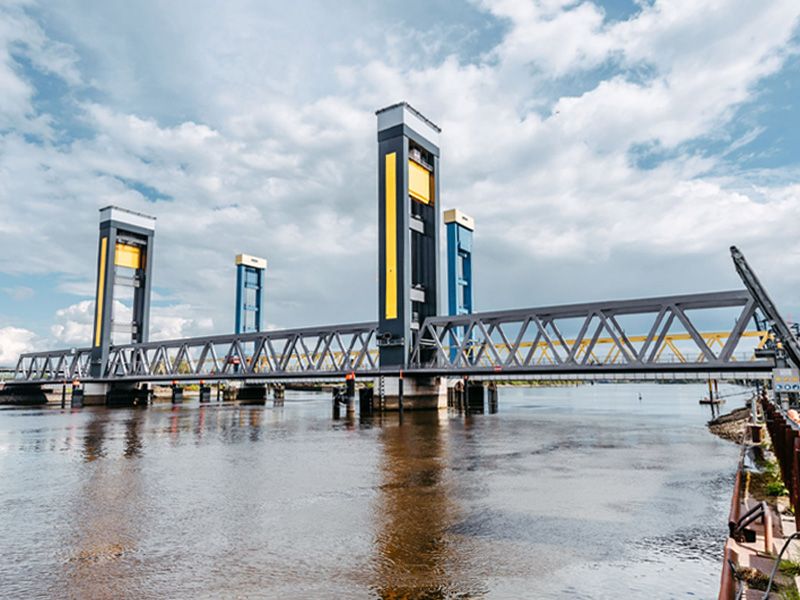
(130, 217)
(251, 261)
(403, 113)
(456, 216)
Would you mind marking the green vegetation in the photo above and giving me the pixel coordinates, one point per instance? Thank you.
(775, 488)
(790, 567)
(788, 592)
(767, 485)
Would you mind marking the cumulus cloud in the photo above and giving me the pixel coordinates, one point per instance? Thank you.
(74, 325)
(572, 139)
(13, 342)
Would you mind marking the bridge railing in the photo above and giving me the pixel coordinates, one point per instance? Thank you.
(537, 338)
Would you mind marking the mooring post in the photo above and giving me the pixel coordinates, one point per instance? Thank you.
(351, 393)
(63, 394)
(492, 392)
(400, 395)
(205, 392)
(76, 401)
(336, 398)
(365, 400)
(177, 393)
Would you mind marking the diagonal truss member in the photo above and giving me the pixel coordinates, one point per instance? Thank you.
(271, 354)
(583, 337)
(574, 338)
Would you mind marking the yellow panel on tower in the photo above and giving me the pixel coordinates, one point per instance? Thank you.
(419, 183)
(128, 256)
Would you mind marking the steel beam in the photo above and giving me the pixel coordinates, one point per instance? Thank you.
(542, 345)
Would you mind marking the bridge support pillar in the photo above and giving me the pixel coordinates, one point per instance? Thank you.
(491, 391)
(22, 395)
(476, 397)
(252, 394)
(127, 394)
(419, 393)
(177, 394)
(366, 400)
(94, 394)
(205, 393)
(76, 399)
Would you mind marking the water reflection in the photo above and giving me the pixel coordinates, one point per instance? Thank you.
(416, 555)
(93, 441)
(104, 515)
(133, 438)
(579, 493)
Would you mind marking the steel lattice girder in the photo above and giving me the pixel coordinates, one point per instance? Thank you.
(523, 341)
(271, 354)
(532, 340)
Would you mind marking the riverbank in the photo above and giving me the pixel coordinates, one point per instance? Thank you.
(761, 519)
(731, 426)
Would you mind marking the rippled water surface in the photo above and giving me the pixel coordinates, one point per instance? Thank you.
(572, 492)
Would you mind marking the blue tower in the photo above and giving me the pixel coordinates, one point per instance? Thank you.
(459, 265)
(250, 273)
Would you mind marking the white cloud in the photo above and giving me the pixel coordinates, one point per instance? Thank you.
(19, 293)
(13, 342)
(262, 142)
(75, 324)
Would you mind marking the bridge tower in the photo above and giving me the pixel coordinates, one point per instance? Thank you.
(459, 265)
(250, 272)
(408, 229)
(124, 260)
(459, 261)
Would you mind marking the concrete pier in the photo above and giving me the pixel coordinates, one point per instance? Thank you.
(127, 395)
(425, 393)
(476, 397)
(22, 395)
(252, 394)
(95, 394)
(205, 393)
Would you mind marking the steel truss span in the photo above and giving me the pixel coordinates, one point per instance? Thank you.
(561, 340)
(308, 352)
(583, 338)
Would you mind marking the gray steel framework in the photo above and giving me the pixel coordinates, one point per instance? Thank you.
(303, 352)
(776, 322)
(534, 341)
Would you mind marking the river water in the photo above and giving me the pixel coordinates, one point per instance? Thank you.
(566, 492)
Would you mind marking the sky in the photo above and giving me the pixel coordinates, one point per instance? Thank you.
(606, 150)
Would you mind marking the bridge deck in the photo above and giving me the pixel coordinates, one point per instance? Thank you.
(571, 340)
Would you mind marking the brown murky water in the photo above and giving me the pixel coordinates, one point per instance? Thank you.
(581, 492)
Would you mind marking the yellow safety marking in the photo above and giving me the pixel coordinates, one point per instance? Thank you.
(391, 235)
(541, 354)
(100, 288)
(419, 182)
(128, 256)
